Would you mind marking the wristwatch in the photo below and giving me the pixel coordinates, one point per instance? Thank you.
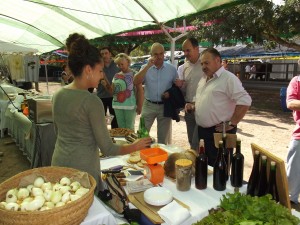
(232, 125)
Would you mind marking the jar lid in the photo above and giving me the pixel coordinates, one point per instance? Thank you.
(183, 162)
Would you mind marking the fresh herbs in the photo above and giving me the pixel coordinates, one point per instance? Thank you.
(241, 209)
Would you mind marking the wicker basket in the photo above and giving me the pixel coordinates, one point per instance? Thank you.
(70, 214)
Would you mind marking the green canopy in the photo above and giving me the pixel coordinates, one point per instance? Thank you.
(45, 24)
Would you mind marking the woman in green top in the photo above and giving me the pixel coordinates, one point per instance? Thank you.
(79, 116)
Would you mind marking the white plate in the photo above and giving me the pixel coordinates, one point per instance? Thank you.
(158, 196)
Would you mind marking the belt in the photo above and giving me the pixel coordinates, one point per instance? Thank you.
(158, 103)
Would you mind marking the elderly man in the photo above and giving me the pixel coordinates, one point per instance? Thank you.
(220, 98)
(192, 72)
(158, 77)
(110, 69)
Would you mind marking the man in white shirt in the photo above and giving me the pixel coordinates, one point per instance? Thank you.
(220, 98)
(191, 74)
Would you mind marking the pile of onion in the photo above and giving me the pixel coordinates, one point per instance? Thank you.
(42, 195)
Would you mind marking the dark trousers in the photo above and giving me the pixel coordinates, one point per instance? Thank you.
(208, 135)
(107, 103)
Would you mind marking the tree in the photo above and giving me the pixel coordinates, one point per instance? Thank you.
(260, 21)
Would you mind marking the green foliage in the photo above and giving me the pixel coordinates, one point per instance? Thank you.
(241, 209)
(259, 21)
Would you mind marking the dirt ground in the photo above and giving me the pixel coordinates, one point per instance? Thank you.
(265, 124)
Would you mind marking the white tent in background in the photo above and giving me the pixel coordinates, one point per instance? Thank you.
(12, 48)
(45, 24)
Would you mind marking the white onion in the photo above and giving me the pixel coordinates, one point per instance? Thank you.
(12, 206)
(23, 193)
(24, 206)
(56, 187)
(34, 205)
(2, 205)
(46, 186)
(11, 198)
(36, 191)
(75, 185)
(47, 194)
(82, 191)
(65, 181)
(28, 199)
(13, 191)
(64, 189)
(44, 208)
(74, 197)
(38, 182)
(29, 187)
(60, 204)
(56, 197)
(50, 205)
(66, 197)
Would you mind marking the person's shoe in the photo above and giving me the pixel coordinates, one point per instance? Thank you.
(295, 205)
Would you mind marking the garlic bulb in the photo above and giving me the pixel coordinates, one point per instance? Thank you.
(66, 197)
(36, 191)
(56, 197)
(46, 186)
(23, 193)
(12, 206)
(65, 181)
(50, 205)
(11, 198)
(38, 182)
(29, 187)
(75, 186)
(60, 204)
(82, 191)
(2, 205)
(64, 189)
(74, 197)
(47, 194)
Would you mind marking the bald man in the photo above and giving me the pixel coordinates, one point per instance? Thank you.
(157, 76)
(192, 72)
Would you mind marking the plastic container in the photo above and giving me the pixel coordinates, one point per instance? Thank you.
(153, 155)
(283, 99)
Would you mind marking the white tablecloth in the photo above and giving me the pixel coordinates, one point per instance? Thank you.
(98, 214)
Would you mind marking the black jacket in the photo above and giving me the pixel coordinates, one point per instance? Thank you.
(174, 103)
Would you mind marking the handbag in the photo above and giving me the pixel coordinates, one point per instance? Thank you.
(118, 199)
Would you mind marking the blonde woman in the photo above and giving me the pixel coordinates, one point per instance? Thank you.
(127, 98)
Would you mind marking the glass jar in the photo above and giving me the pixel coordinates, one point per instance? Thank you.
(183, 174)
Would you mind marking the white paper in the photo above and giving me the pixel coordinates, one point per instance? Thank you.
(174, 214)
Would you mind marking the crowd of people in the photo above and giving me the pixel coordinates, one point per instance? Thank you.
(214, 98)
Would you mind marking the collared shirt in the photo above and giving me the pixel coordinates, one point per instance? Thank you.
(191, 74)
(157, 81)
(293, 93)
(110, 72)
(217, 98)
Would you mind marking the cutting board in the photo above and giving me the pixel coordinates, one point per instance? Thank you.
(150, 211)
(281, 178)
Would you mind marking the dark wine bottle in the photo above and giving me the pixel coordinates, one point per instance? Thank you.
(261, 188)
(220, 168)
(201, 167)
(226, 151)
(237, 169)
(272, 184)
(142, 132)
(253, 179)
